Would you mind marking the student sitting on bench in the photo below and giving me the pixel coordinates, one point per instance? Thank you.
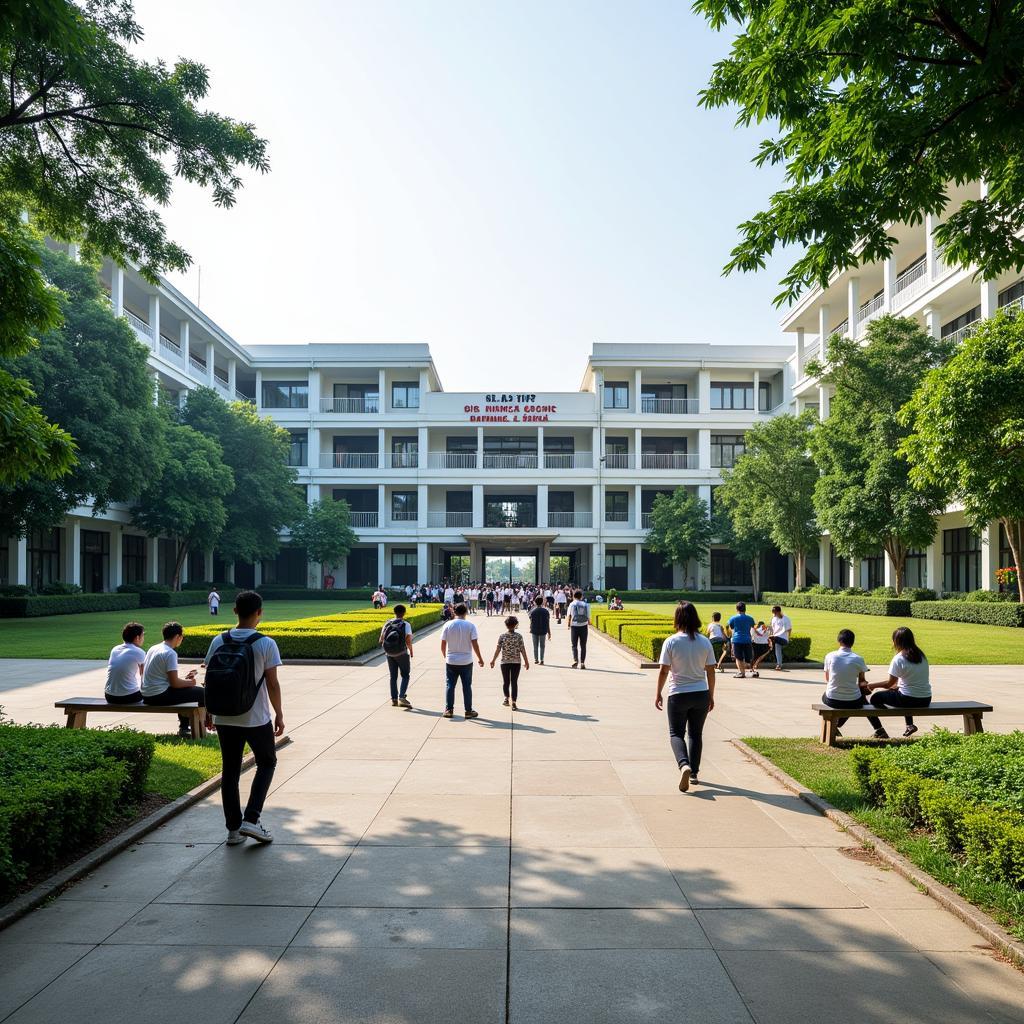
(124, 666)
(161, 683)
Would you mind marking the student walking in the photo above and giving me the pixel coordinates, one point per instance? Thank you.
(513, 651)
(540, 628)
(578, 615)
(909, 683)
(715, 632)
(688, 658)
(459, 642)
(213, 600)
(845, 683)
(560, 603)
(124, 666)
(762, 643)
(242, 686)
(161, 684)
(396, 639)
(741, 626)
(781, 629)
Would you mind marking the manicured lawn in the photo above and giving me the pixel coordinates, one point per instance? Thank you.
(92, 634)
(829, 773)
(945, 643)
(179, 765)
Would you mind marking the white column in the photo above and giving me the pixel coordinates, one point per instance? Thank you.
(259, 391)
(73, 532)
(636, 563)
(183, 576)
(989, 557)
(422, 446)
(232, 377)
(596, 566)
(824, 330)
(313, 443)
(799, 353)
(989, 299)
(382, 452)
(704, 449)
(478, 506)
(313, 385)
(208, 566)
(152, 560)
(383, 402)
(73, 251)
(929, 247)
(424, 388)
(117, 290)
(381, 506)
(154, 318)
(596, 446)
(822, 402)
(183, 343)
(229, 572)
(825, 561)
(211, 353)
(422, 501)
(479, 447)
(540, 447)
(757, 391)
(638, 444)
(853, 575)
(852, 305)
(383, 566)
(704, 493)
(638, 502)
(422, 550)
(257, 574)
(638, 377)
(888, 283)
(542, 506)
(889, 570)
(19, 557)
(932, 322)
(116, 558)
(704, 391)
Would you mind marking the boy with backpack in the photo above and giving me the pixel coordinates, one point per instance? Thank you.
(578, 614)
(241, 686)
(396, 639)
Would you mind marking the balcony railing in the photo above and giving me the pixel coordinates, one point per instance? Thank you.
(170, 346)
(568, 460)
(405, 517)
(570, 520)
(349, 460)
(450, 520)
(867, 312)
(243, 398)
(451, 460)
(617, 461)
(912, 281)
(645, 520)
(612, 516)
(139, 324)
(222, 384)
(404, 460)
(510, 521)
(363, 519)
(676, 406)
(350, 405)
(841, 329)
(964, 332)
(1014, 305)
(668, 460)
(524, 461)
(197, 365)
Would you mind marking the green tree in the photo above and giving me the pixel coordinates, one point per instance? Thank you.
(186, 501)
(773, 481)
(875, 108)
(265, 498)
(738, 527)
(864, 497)
(681, 528)
(967, 421)
(324, 530)
(91, 378)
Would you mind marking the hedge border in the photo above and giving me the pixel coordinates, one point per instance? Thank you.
(985, 613)
(65, 604)
(888, 606)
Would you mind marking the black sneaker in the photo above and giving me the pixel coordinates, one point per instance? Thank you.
(472, 714)
(185, 732)
(881, 734)
(910, 730)
(448, 713)
(394, 703)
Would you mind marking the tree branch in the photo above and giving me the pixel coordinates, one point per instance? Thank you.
(955, 30)
(951, 117)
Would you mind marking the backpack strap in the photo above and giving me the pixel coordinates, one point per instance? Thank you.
(252, 638)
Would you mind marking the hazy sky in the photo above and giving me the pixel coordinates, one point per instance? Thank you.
(507, 181)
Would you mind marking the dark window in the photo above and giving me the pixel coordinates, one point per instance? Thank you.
(357, 398)
(510, 510)
(616, 507)
(288, 568)
(961, 321)
(616, 452)
(403, 566)
(961, 560)
(458, 501)
(285, 394)
(405, 395)
(361, 567)
(764, 395)
(840, 569)
(459, 444)
(43, 557)
(725, 449)
(359, 500)
(196, 566)
(876, 570)
(510, 444)
(914, 573)
(5, 554)
(727, 570)
(728, 395)
(95, 560)
(663, 446)
(647, 498)
(405, 452)
(1015, 291)
(298, 448)
(561, 501)
(559, 445)
(404, 506)
(616, 569)
(616, 394)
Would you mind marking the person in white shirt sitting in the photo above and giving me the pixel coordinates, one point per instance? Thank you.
(124, 666)
(161, 684)
(845, 682)
(909, 683)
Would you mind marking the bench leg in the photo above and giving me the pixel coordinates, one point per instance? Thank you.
(828, 730)
(75, 719)
(197, 723)
(972, 724)
(824, 729)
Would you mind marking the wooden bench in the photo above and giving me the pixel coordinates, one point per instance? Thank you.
(77, 710)
(970, 710)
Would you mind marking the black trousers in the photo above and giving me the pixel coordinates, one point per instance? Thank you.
(895, 699)
(233, 739)
(835, 702)
(399, 664)
(686, 715)
(124, 698)
(181, 695)
(510, 679)
(578, 637)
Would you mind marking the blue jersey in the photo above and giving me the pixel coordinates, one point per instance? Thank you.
(741, 625)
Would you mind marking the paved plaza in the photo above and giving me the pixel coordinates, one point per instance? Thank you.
(531, 866)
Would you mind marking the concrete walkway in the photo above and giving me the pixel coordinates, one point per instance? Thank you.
(527, 867)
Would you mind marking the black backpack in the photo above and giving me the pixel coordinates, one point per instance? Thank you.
(231, 683)
(393, 637)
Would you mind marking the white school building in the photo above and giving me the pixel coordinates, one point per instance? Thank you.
(539, 485)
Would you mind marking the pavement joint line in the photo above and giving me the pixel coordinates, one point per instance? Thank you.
(969, 914)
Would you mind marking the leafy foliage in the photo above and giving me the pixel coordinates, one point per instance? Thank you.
(863, 497)
(681, 528)
(875, 108)
(738, 526)
(967, 420)
(324, 529)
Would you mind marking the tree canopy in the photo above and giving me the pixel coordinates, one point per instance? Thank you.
(324, 529)
(967, 430)
(265, 498)
(864, 497)
(681, 528)
(738, 526)
(90, 376)
(875, 109)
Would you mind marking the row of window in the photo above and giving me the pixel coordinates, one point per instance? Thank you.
(727, 395)
(294, 394)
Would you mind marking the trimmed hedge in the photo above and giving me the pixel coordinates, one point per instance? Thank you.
(60, 788)
(277, 593)
(171, 598)
(646, 639)
(65, 604)
(693, 596)
(987, 613)
(841, 603)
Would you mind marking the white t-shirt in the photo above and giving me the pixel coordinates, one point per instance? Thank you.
(123, 669)
(913, 679)
(161, 658)
(759, 635)
(459, 635)
(264, 655)
(214, 599)
(844, 668)
(449, 595)
(687, 659)
(579, 613)
(781, 626)
(715, 631)
(559, 597)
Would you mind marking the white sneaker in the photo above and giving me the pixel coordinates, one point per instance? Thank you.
(684, 778)
(255, 830)
(234, 838)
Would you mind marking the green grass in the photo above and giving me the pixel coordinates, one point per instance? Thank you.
(945, 643)
(828, 771)
(180, 764)
(92, 634)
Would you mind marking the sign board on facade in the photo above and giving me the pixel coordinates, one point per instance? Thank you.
(514, 407)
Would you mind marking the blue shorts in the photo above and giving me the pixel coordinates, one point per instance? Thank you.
(743, 652)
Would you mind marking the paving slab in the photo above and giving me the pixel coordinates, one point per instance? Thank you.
(190, 924)
(401, 927)
(581, 822)
(28, 969)
(432, 820)
(636, 928)
(69, 920)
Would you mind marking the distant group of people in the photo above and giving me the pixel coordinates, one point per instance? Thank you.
(748, 642)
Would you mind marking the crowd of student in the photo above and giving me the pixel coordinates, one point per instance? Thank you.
(242, 692)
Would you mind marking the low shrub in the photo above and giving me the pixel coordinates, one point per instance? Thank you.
(851, 603)
(996, 613)
(680, 595)
(279, 593)
(60, 788)
(884, 592)
(171, 598)
(646, 639)
(919, 594)
(65, 604)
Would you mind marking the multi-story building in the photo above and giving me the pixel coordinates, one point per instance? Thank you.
(443, 484)
(947, 301)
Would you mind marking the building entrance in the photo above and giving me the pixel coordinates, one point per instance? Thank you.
(510, 567)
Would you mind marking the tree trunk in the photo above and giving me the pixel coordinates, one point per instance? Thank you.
(755, 577)
(179, 562)
(897, 553)
(1015, 535)
(800, 558)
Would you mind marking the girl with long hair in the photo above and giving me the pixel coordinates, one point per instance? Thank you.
(909, 683)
